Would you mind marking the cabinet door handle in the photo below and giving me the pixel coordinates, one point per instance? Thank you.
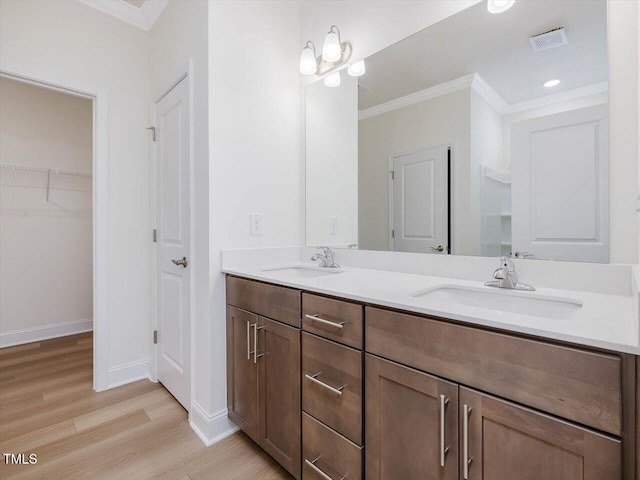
(444, 449)
(248, 340)
(467, 461)
(255, 343)
(314, 379)
(317, 318)
(317, 469)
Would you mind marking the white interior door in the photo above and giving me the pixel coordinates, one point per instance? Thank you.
(421, 202)
(173, 242)
(560, 186)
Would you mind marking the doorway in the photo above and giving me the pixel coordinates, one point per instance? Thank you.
(97, 98)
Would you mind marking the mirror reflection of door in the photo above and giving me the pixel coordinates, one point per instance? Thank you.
(419, 200)
(560, 176)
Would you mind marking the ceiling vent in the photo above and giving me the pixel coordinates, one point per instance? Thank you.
(551, 39)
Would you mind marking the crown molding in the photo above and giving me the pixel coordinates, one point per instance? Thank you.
(480, 86)
(417, 97)
(143, 17)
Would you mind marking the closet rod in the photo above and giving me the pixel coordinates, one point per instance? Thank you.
(48, 171)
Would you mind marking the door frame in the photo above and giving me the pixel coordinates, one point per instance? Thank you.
(183, 73)
(391, 158)
(100, 196)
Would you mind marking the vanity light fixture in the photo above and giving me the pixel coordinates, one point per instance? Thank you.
(551, 83)
(499, 6)
(356, 69)
(308, 61)
(332, 80)
(335, 54)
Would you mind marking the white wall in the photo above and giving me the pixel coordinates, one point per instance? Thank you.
(331, 151)
(624, 104)
(68, 40)
(443, 120)
(254, 143)
(45, 248)
(179, 34)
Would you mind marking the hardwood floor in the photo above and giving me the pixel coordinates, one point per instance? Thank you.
(137, 431)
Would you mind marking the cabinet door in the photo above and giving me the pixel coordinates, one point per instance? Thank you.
(406, 411)
(242, 372)
(278, 350)
(503, 441)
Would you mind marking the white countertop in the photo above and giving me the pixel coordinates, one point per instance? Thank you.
(605, 321)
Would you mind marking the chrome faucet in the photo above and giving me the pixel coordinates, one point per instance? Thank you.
(506, 277)
(326, 258)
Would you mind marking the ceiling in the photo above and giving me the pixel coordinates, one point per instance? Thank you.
(140, 13)
(496, 47)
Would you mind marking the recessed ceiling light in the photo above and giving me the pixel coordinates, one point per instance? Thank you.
(499, 6)
(551, 83)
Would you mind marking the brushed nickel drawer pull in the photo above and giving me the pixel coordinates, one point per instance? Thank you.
(249, 340)
(255, 343)
(444, 401)
(314, 379)
(318, 471)
(317, 318)
(466, 460)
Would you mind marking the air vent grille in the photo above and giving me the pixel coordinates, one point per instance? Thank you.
(551, 39)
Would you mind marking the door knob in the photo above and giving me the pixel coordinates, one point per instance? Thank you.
(439, 248)
(182, 262)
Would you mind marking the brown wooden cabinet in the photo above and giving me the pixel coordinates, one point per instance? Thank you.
(263, 384)
(504, 441)
(406, 411)
(279, 393)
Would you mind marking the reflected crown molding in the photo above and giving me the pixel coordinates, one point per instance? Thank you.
(144, 17)
(482, 87)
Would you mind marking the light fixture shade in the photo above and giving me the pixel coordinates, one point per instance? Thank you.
(332, 80)
(308, 62)
(356, 69)
(551, 83)
(499, 6)
(331, 49)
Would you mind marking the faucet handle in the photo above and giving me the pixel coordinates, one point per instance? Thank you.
(505, 262)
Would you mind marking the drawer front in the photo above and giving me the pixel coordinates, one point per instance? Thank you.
(327, 367)
(327, 452)
(271, 301)
(333, 319)
(575, 384)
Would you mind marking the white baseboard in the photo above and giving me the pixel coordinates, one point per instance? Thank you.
(35, 334)
(211, 428)
(129, 372)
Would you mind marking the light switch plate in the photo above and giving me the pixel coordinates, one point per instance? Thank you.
(333, 226)
(256, 223)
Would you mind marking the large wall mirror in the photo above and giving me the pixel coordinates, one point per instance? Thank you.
(481, 135)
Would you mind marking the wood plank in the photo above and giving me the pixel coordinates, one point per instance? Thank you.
(135, 431)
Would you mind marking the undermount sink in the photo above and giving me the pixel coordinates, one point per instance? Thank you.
(503, 301)
(302, 272)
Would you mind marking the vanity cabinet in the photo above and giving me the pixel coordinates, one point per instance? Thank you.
(503, 441)
(354, 391)
(411, 423)
(263, 374)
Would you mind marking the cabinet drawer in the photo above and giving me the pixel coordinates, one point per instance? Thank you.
(271, 301)
(333, 319)
(333, 367)
(572, 383)
(326, 451)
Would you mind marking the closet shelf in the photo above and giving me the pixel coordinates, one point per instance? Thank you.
(49, 179)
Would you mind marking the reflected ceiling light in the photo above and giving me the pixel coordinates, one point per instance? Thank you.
(551, 83)
(335, 54)
(356, 69)
(499, 6)
(332, 80)
(308, 61)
